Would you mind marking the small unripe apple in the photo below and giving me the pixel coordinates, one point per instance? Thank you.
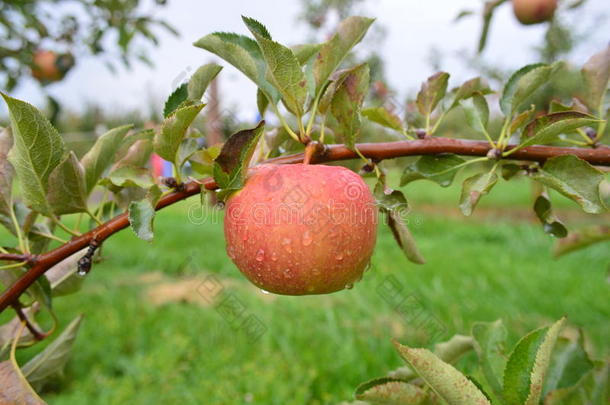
(301, 229)
(534, 11)
(48, 66)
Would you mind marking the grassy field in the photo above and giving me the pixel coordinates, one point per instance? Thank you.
(153, 334)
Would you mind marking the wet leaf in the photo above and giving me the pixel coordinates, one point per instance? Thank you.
(244, 54)
(474, 188)
(231, 165)
(477, 115)
(447, 382)
(542, 208)
(49, 364)
(527, 365)
(523, 83)
(284, 70)
(347, 101)
(142, 214)
(173, 130)
(490, 340)
(469, 88)
(6, 172)
(404, 238)
(437, 168)
(37, 150)
(569, 364)
(383, 117)
(596, 74)
(102, 155)
(350, 32)
(67, 188)
(304, 52)
(575, 179)
(451, 350)
(582, 239)
(201, 79)
(175, 100)
(138, 154)
(128, 176)
(547, 128)
(432, 92)
(390, 391)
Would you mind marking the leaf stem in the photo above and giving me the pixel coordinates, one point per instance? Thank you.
(58, 222)
(20, 238)
(50, 236)
(96, 219)
(456, 167)
(13, 265)
(284, 123)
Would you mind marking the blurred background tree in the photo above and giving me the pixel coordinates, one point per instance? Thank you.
(45, 38)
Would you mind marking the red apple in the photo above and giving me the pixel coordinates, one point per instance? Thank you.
(48, 66)
(301, 229)
(534, 11)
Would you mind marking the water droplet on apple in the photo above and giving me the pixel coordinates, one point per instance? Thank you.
(307, 239)
(265, 292)
(316, 272)
(339, 256)
(287, 273)
(349, 286)
(286, 241)
(260, 255)
(274, 256)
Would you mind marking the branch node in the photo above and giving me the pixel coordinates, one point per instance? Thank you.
(85, 262)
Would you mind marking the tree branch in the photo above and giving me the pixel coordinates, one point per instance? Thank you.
(16, 257)
(377, 151)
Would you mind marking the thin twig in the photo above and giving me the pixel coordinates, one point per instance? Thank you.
(38, 335)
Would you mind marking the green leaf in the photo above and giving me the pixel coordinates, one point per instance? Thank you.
(202, 161)
(6, 172)
(542, 208)
(67, 189)
(527, 365)
(522, 84)
(50, 363)
(304, 52)
(129, 176)
(350, 32)
(187, 148)
(490, 340)
(101, 156)
(404, 238)
(569, 364)
(231, 165)
(257, 28)
(201, 79)
(474, 188)
(137, 155)
(451, 350)
(547, 128)
(390, 391)
(244, 54)
(596, 74)
(469, 89)
(383, 117)
(142, 214)
(173, 130)
(575, 179)
(178, 96)
(432, 92)
(510, 170)
(477, 116)
(262, 102)
(447, 382)
(438, 168)
(582, 239)
(347, 101)
(37, 150)
(15, 388)
(284, 69)
(521, 119)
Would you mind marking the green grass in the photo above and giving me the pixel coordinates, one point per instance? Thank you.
(316, 349)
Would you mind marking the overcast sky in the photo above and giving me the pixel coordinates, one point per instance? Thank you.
(413, 27)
